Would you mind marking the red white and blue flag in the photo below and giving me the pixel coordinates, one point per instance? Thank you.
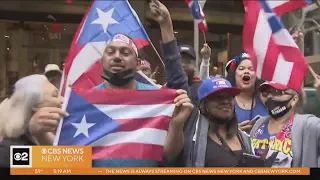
(197, 14)
(127, 127)
(104, 19)
(274, 54)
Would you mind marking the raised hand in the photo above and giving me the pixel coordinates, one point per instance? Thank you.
(159, 12)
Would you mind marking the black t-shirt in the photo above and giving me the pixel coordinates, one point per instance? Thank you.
(219, 156)
(5, 144)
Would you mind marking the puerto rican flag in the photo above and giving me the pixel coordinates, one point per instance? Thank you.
(125, 127)
(274, 54)
(82, 68)
(197, 14)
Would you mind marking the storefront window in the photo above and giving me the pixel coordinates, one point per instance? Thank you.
(30, 46)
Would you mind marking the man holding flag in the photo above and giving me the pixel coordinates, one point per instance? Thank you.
(98, 123)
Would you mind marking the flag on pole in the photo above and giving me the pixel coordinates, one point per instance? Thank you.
(197, 14)
(127, 126)
(274, 54)
(104, 19)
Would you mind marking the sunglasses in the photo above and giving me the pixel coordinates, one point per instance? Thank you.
(275, 93)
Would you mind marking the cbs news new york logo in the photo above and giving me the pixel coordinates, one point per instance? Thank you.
(20, 156)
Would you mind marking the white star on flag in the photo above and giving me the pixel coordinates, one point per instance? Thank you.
(105, 19)
(82, 127)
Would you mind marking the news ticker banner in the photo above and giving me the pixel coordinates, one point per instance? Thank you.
(76, 160)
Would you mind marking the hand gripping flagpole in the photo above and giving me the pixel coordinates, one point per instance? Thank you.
(64, 108)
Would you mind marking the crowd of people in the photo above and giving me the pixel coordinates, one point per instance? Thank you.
(235, 120)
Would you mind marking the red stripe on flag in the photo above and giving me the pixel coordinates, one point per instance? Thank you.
(159, 122)
(128, 151)
(127, 96)
(300, 67)
(249, 28)
(270, 60)
(289, 6)
(73, 52)
(90, 78)
(203, 26)
(187, 2)
(141, 42)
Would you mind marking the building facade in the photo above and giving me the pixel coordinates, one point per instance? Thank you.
(35, 34)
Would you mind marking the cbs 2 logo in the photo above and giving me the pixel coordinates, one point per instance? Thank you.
(21, 156)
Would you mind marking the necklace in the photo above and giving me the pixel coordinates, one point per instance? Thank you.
(245, 103)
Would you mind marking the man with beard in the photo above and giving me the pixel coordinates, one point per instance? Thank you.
(215, 140)
(285, 138)
(120, 63)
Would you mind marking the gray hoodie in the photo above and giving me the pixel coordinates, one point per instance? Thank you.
(305, 139)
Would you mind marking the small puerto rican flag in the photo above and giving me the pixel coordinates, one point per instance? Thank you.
(197, 14)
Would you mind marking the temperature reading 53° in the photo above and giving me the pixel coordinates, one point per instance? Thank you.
(38, 171)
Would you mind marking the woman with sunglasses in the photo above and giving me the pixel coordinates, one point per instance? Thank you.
(285, 138)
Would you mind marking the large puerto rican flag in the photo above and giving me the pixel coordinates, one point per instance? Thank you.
(82, 68)
(125, 127)
(274, 54)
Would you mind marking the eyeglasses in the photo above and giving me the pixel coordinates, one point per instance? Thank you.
(275, 93)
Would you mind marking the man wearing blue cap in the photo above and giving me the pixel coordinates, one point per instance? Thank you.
(215, 140)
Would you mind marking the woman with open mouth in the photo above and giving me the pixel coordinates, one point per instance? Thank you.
(248, 104)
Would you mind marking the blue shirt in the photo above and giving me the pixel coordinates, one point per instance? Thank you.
(261, 140)
(258, 109)
(126, 162)
(139, 86)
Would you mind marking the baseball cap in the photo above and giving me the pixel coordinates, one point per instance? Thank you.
(216, 85)
(264, 86)
(52, 67)
(188, 50)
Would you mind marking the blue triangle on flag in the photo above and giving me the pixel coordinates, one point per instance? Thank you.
(78, 108)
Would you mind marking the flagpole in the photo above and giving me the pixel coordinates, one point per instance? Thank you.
(204, 37)
(155, 50)
(196, 45)
(64, 108)
(196, 39)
